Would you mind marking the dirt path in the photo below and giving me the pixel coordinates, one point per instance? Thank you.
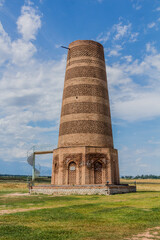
(16, 194)
(9, 211)
(149, 234)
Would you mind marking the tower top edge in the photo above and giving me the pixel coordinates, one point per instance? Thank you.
(86, 42)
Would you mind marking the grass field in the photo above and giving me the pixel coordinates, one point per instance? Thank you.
(24, 217)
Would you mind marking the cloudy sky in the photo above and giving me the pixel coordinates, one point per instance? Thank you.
(32, 67)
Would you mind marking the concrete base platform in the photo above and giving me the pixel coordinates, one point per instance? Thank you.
(82, 189)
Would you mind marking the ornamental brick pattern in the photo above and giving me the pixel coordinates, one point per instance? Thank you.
(86, 71)
(85, 126)
(85, 153)
(88, 49)
(85, 107)
(88, 61)
(85, 90)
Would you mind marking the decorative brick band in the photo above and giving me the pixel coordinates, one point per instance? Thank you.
(96, 156)
(85, 107)
(85, 126)
(84, 116)
(88, 60)
(99, 61)
(85, 42)
(83, 80)
(86, 50)
(85, 71)
(83, 139)
(85, 99)
(76, 157)
(85, 90)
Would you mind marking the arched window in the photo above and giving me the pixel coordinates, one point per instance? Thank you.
(72, 173)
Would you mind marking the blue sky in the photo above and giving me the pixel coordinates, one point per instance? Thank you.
(32, 68)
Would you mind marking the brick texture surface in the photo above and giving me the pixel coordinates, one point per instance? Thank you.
(86, 50)
(89, 61)
(85, 71)
(85, 107)
(85, 153)
(85, 126)
(85, 90)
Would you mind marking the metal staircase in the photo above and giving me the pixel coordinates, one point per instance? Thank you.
(35, 150)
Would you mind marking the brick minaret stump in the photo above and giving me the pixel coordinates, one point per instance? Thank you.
(85, 153)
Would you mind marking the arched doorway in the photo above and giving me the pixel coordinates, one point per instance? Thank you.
(72, 173)
(98, 173)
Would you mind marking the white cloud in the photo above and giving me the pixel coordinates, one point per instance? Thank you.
(135, 86)
(118, 32)
(17, 52)
(4, 45)
(152, 141)
(138, 7)
(28, 23)
(151, 48)
(30, 91)
(121, 30)
(151, 25)
(133, 37)
(103, 37)
(1, 2)
(22, 51)
(115, 51)
(137, 161)
(158, 9)
(137, 4)
(128, 58)
(58, 45)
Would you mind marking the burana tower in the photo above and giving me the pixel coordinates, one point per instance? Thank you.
(85, 153)
(85, 161)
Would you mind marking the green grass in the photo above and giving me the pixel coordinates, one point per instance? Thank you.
(79, 217)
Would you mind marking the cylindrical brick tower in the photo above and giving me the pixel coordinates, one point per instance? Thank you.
(85, 153)
(85, 115)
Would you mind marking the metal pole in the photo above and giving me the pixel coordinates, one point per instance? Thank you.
(33, 169)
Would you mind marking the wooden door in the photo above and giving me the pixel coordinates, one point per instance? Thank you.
(72, 173)
(98, 173)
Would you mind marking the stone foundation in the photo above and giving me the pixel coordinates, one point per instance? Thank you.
(83, 190)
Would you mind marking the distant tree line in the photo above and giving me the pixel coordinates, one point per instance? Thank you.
(25, 178)
(150, 176)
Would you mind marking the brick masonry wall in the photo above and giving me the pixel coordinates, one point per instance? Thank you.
(85, 159)
(85, 126)
(85, 78)
(85, 71)
(85, 107)
(85, 153)
(85, 90)
(84, 139)
(88, 60)
(89, 50)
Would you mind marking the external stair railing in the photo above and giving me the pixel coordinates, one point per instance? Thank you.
(36, 150)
